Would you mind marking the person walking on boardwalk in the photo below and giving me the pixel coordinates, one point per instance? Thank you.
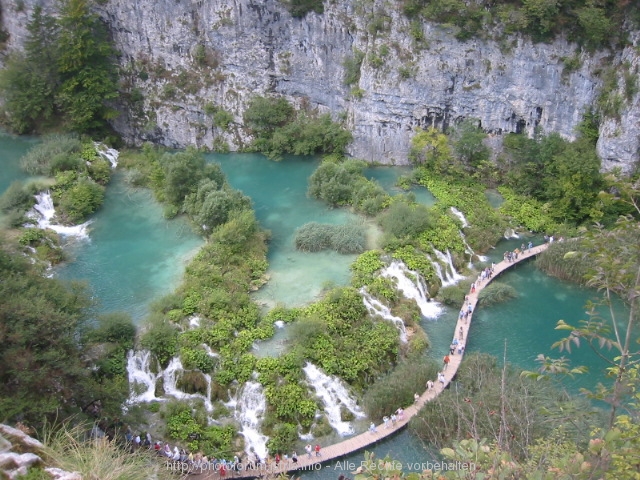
(446, 361)
(441, 378)
(372, 428)
(429, 384)
(318, 450)
(308, 448)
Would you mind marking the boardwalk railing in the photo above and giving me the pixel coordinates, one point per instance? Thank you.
(358, 442)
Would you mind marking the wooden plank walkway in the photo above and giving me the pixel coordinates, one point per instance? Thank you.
(358, 442)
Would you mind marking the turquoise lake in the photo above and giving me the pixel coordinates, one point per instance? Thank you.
(134, 256)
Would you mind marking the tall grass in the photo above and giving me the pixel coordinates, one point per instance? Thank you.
(71, 448)
(497, 292)
(54, 149)
(559, 261)
(314, 237)
(397, 389)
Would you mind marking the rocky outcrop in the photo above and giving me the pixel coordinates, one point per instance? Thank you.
(19, 452)
(188, 58)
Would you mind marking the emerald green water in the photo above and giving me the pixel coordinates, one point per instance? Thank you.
(279, 194)
(11, 149)
(134, 255)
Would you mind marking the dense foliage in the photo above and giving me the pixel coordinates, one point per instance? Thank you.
(80, 174)
(483, 404)
(562, 260)
(300, 8)
(53, 360)
(397, 388)
(486, 225)
(343, 183)
(67, 71)
(339, 336)
(279, 129)
(564, 176)
(592, 24)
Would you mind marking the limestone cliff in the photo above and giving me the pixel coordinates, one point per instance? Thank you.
(184, 59)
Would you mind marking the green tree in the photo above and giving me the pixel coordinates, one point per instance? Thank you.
(595, 24)
(430, 148)
(42, 371)
(573, 181)
(86, 68)
(29, 81)
(182, 172)
(263, 115)
(468, 145)
(81, 200)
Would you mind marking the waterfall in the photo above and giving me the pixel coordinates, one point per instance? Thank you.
(250, 406)
(43, 212)
(450, 276)
(170, 379)
(140, 375)
(510, 233)
(375, 307)
(333, 394)
(461, 216)
(110, 154)
(411, 285)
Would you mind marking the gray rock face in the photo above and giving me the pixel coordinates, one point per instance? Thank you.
(183, 55)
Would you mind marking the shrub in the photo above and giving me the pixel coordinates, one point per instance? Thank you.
(397, 388)
(58, 148)
(365, 267)
(117, 327)
(405, 221)
(344, 184)
(161, 338)
(283, 438)
(352, 66)
(314, 237)
(222, 119)
(453, 295)
(16, 198)
(497, 292)
(81, 200)
(300, 8)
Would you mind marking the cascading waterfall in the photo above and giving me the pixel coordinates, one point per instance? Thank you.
(461, 216)
(469, 250)
(411, 285)
(375, 307)
(250, 405)
(450, 276)
(109, 154)
(43, 212)
(170, 379)
(333, 394)
(140, 375)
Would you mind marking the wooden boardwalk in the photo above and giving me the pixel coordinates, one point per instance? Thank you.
(358, 442)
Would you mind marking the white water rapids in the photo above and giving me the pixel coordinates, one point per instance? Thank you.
(43, 212)
(334, 396)
(411, 285)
